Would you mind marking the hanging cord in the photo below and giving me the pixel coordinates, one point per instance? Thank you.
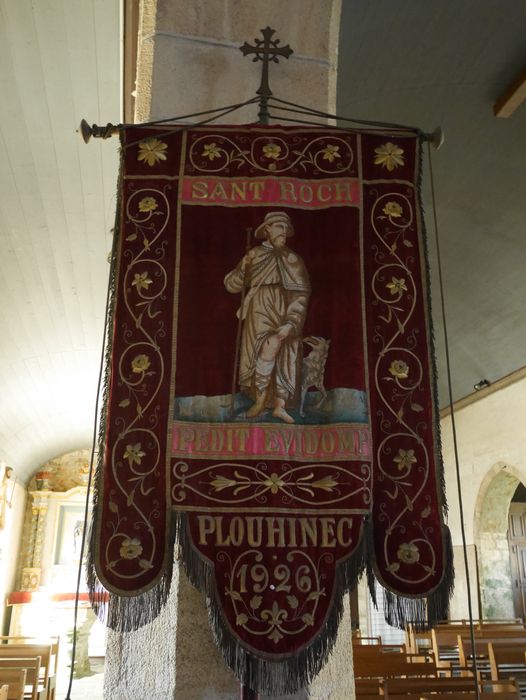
(186, 127)
(453, 428)
(190, 116)
(361, 122)
(90, 478)
(226, 110)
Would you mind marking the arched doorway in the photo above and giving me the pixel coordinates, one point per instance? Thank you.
(498, 517)
(517, 545)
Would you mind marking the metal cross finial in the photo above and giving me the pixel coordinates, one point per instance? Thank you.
(265, 50)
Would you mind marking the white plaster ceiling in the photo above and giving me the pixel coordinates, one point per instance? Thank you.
(59, 62)
(407, 61)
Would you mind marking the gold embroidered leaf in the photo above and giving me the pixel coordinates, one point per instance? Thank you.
(426, 512)
(292, 601)
(255, 602)
(124, 403)
(326, 484)
(407, 243)
(221, 482)
(234, 595)
(393, 567)
(111, 564)
(131, 237)
(308, 619)
(113, 507)
(145, 564)
(314, 595)
(417, 407)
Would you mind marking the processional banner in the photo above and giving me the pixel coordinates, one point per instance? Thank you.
(270, 390)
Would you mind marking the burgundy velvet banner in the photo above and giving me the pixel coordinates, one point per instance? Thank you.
(270, 393)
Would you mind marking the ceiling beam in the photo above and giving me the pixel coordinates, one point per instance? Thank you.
(512, 98)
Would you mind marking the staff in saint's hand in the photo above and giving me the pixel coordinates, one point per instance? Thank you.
(240, 324)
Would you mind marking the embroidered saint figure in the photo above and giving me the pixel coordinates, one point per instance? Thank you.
(273, 312)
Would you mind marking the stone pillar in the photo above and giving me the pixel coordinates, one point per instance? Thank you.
(188, 61)
(173, 657)
(189, 58)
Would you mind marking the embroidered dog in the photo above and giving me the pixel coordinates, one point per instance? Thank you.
(313, 368)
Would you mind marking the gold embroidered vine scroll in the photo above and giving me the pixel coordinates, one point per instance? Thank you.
(270, 390)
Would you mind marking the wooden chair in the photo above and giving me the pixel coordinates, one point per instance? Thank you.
(34, 689)
(15, 679)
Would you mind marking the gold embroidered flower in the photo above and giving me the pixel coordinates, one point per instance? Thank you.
(399, 369)
(134, 453)
(389, 156)
(130, 548)
(141, 280)
(396, 286)
(211, 151)
(404, 459)
(272, 150)
(408, 553)
(274, 482)
(392, 209)
(152, 151)
(331, 152)
(140, 364)
(148, 204)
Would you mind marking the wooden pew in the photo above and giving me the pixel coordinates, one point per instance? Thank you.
(364, 641)
(34, 689)
(45, 651)
(445, 641)
(494, 695)
(15, 679)
(481, 649)
(391, 665)
(54, 641)
(515, 623)
(507, 659)
(413, 688)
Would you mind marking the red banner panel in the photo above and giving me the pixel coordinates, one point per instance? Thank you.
(270, 400)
